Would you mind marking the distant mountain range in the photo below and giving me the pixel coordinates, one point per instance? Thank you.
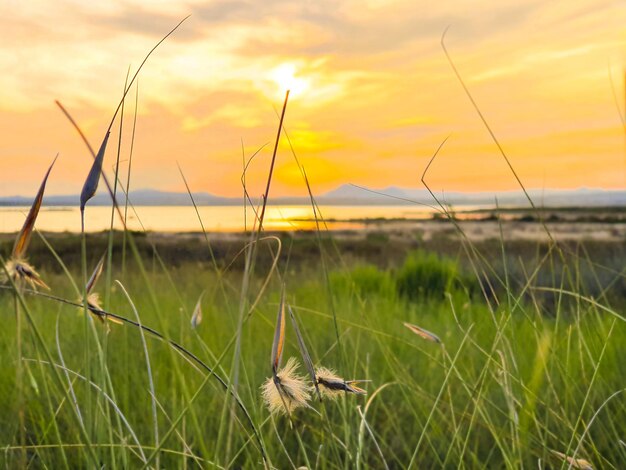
(354, 195)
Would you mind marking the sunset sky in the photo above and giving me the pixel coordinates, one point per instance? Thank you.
(372, 92)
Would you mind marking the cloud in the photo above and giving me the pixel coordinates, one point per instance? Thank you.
(373, 94)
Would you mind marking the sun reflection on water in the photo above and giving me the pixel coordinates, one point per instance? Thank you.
(214, 218)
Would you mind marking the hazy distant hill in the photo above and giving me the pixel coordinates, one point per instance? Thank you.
(349, 194)
(141, 197)
(353, 195)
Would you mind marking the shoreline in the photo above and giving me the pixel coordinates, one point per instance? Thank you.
(425, 229)
(510, 223)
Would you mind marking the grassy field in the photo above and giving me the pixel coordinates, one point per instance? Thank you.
(530, 364)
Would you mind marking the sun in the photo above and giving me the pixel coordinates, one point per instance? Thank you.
(287, 78)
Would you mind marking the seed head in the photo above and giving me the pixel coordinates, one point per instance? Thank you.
(427, 335)
(93, 305)
(18, 269)
(93, 301)
(23, 273)
(331, 385)
(286, 391)
(575, 463)
(196, 318)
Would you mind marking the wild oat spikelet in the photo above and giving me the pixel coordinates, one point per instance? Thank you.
(17, 268)
(196, 318)
(427, 335)
(22, 273)
(93, 305)
(331, 385)
(575, 463)
(286, 391)
(93, 299)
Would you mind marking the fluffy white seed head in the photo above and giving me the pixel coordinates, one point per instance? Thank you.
(287, 391)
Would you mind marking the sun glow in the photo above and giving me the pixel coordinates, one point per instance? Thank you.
(286, 77)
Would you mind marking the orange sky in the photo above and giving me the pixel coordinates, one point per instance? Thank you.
(373, 94)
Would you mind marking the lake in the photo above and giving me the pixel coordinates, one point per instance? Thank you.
(214, 218)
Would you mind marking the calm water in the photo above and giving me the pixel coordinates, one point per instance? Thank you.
(214, 218)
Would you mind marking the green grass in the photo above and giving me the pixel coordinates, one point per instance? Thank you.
(510, 383)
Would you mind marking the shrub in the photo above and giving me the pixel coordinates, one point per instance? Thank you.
(364, 280)
(425, 275)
